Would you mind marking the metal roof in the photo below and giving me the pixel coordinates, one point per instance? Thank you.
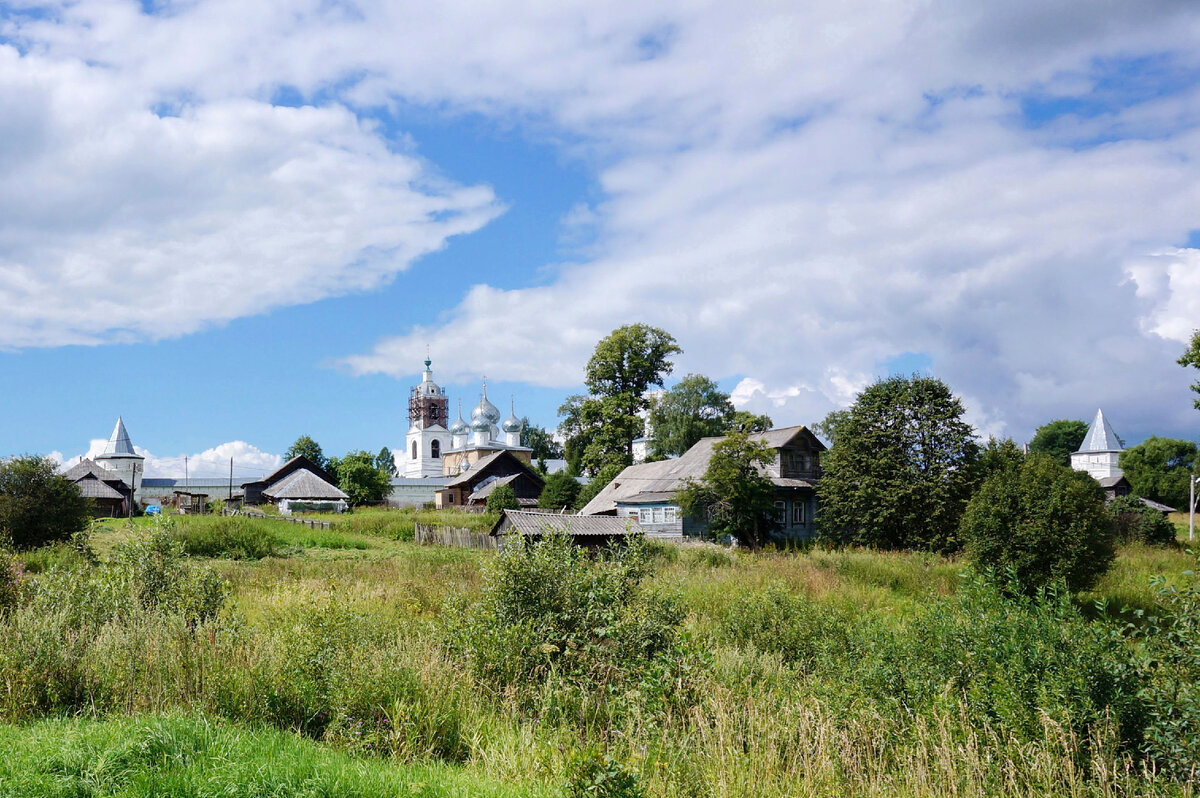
(528, 522)
(667, 476)
(303, 484)
(119, 444)
(435, 482)
(1101, 437)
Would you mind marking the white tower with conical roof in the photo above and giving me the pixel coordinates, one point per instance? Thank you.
(120, 459)
(1100, 453)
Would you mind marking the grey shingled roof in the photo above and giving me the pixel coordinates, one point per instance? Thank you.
(667, 476)
(303, 484)
(87, 467)
(92, 488)
(527, 522)
(1101, 437)
(482, 493)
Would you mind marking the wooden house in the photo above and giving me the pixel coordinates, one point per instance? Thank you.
(110, 495)
(647, 490)
(299, 485)
(472, 487)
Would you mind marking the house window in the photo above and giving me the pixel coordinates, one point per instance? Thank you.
(799, 513)
(414, 450)
(669, 515)
(644, 515)
(435, 449)
(780, 512)
(658, 515)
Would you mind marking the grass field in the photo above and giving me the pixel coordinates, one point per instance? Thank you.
(352, 662)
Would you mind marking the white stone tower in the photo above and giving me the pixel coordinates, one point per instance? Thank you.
(120, 459)
(1100, 453)
(427, 435)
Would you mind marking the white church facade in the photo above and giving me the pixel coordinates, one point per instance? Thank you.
(435, 447)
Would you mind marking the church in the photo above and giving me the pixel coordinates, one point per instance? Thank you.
(435, 447)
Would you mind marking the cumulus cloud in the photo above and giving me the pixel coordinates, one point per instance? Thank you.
(798, 193)
(249, 462)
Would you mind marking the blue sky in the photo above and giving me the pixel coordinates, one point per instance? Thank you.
(235, 224)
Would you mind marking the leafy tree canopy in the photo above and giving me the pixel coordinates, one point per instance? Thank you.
(542, 442)
(692, 409)
(733, 495)
(501, 499)
(901, 468)
(1191, 357)
(361, 479)
(561, 490)
(37, 504)
(385, 461)
(600, 428)
(1059, 439)
(309, 448)
(1159, 469)
(1040, 522)
(744, 421)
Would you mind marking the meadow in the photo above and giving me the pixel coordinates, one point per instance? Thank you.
(235, 656)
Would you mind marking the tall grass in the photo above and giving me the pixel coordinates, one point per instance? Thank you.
(824, 673)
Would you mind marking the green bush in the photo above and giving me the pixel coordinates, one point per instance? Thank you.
(12, 580)
(594, 775)
(1039, 522)
(37, 504)
(1170, 667)
(549, 608)
(561, 490)
(1134, 522)
(501, 499)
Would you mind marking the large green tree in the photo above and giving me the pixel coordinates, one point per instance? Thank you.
(37, 504)
(600, 428)
(1040, 522)
(560, 491)
(542, 442)
(1059, 439)
(1191, 357)
(734, 495)
(309, 448)
(361, 479)
(901, 468)
(1159, 469)
(385, 461)
(692, 409)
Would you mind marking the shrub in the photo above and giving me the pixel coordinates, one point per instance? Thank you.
(151, 571)
(549, 607)
(12, 578)
(594, 775)
(1170, 668)
(561, 491)
(501, 499)
(37, 504)
(1039, 522)
(1134, 522)
(801, 631)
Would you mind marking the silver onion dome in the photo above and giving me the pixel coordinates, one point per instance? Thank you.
(512, 424)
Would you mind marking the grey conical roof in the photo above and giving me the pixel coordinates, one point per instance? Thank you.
(119, 444)
(1101, 437)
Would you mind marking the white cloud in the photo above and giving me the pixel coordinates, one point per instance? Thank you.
(797, 194)
(249, 462)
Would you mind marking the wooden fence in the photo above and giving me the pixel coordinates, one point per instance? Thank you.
(312, 523)
(453, 536)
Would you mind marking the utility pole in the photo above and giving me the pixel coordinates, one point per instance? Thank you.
(185, 473)
(231, 479)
